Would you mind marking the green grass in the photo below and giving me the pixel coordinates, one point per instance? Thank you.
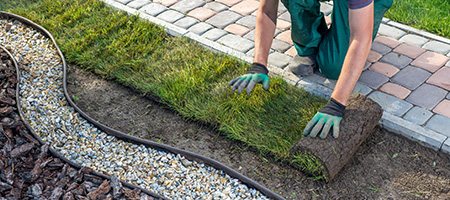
(182, 74)
(429, 15)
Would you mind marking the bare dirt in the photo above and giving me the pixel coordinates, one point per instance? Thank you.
(386, 166)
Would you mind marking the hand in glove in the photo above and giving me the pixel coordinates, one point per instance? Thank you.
(328, 116)
(258, 74)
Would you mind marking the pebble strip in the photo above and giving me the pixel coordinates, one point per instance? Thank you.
(46, 109)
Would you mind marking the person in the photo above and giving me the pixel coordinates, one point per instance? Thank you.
(339, 52)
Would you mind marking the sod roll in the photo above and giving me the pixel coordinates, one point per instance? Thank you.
(332, 154)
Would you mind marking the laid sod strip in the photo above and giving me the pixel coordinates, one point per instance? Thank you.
(182, 74)
(430, 15)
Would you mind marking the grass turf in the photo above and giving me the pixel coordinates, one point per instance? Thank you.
(182, 74)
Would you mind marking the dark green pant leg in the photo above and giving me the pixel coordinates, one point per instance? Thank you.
(308, 25)
(335, 43)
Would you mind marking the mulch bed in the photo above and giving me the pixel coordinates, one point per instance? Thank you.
(28, 170)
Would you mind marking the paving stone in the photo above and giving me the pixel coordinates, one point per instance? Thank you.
(361, 89)
(414, 40)
(200, 28)
(291, 51)
(385, 69)
(229, 3)
(326, 8)
(443, 108)
(185, 6)
(319, 78)
(279, 45)
(186, 22)
(398, 60)
(281, 8)
(124, 1)
(236, 42)
(216, 6)
(245, 7)
(446, 147)
(380, 48)
(136, 4)
(390, 42)
(153, 9)
(251, 53)
(237, 29)
(283, 25)
(202, 13)
(214, 34)
(285, 36)
(373, 79)
(395, 90)
(441, 78)
(250, 35)
(391, 31)
(285, 16)
(427, 96)
(448, 64)
(170, 16)
(440, 124)
(248, 21)
(166, 3)
(278, 59)
(409, 50)
(411, 77)
(430, 61)
(390, 103)
(448, 96)
(223, 19)
(438, 47)
(418, 115)
(373, 56)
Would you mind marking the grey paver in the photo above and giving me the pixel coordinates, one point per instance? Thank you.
(448, 55)
(153, 9)
(200, 28)
(251, 52)
(380, 48)
(247, 21)
(250, 35)
(398, 60)
(418, 115)
(236, 42)
(170, 16)
(281, 8)
(391, 31)
(448, 64)
(412, 131)
(278, 59)
(223, 19)
(440, 124)
(186, 22)
(446, 146)
(185, 6)
(136, 4)
(427, 96)
(438, 47)
(361, 89)
(315, 89)
(373, 79)
(390, 103)
(214, 34)
(411, 77)
(448, 96)
(216, 6)
(285, 16)
(367, 65)
(414, 40)
(319, 78)
(279, 45)
(326, 8)
(124, 1)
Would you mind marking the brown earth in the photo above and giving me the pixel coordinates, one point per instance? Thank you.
(386, 166)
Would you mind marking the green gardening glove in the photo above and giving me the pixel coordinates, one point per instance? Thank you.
(258, 74)
(328, 116)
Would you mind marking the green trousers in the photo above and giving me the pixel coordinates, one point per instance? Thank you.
(311, 35)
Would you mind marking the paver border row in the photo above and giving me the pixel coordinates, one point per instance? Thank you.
(315, 84)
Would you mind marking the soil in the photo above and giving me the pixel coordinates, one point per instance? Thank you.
(28, 170)
(386, 166)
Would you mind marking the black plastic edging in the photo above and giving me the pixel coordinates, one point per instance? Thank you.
(136, 140)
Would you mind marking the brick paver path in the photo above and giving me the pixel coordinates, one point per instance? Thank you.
(407, 72)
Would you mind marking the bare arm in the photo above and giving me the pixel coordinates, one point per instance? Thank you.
(265, 29)
(361, 29)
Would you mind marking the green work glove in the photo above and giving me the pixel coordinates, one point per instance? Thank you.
(258, 74)
(328, 116)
